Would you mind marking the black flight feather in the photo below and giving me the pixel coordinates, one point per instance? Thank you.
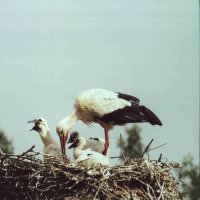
(131, 114)
(128, 98)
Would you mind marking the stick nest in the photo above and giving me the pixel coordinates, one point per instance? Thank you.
(27, 177)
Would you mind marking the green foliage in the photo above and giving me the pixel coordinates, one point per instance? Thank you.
(189, 174)
(5, 145)
(132, 145)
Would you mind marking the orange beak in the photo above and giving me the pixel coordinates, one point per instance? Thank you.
(63, 140)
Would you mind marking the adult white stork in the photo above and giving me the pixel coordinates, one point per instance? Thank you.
(106, 108)
(95, 144)
(86, 156)
(51, 147)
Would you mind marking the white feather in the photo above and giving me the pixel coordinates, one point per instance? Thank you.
(98, 102)
(95, 145)
(51, 147)
(88, 156)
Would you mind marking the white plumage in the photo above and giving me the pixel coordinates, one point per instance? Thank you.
(87, 156)
(95, 144)
(51, 147)
(96, 103)
(106, 108)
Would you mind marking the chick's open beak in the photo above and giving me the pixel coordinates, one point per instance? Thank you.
(35, 128)
(32, 121)
(72, 146)
(70, 140)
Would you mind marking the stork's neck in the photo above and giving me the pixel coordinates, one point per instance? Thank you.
(46, 137)
(77, 151)
(70, 120)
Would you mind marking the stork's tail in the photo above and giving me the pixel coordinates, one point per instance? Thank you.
(152, 118)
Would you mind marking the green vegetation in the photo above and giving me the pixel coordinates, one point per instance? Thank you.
(132, 145)
(5, 144)
(189, 174)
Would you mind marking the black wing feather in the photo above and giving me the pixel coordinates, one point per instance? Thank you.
(131, 114)
(128, 98)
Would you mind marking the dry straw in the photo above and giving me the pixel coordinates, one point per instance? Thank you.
(27, 177)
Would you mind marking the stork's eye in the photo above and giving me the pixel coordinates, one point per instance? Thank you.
(61, 131)
(39, 120)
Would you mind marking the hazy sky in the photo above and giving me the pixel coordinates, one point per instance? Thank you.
(51, 50)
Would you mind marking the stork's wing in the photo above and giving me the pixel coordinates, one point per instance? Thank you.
(113, 108)
(98, 102)
(128, 98)
(131, 114)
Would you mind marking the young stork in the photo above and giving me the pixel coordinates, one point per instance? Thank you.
(106, 108)
(95, 144)
(50, 146)
(87, 156)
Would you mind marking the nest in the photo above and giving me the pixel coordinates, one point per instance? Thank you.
(25, 176)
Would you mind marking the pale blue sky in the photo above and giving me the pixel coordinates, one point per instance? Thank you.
(51, 50)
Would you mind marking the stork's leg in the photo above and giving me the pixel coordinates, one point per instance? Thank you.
(106, 141)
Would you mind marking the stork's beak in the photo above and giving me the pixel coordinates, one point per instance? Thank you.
(63, 139)
(70, 140)
(72, 146)
(35, 128)
(32, 121)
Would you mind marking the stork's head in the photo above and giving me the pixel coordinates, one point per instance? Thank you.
(73, 136)
(40, 126)
(78, 142)
(63, 128)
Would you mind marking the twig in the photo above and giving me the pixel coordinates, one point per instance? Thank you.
(131, 195)
(146, 149)
(97, 191)
(161, 190)
(1, 152)
(160, 157)
(44, 154)
(157, 147)
(29, 150)
(30, 177)
(113, 157)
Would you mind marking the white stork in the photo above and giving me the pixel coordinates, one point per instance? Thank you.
(51, 147)
(87, 156)
(106, 108)
(95, 144)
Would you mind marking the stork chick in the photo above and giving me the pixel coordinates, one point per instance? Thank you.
(95, 144)
(50, 145)
(87, 156)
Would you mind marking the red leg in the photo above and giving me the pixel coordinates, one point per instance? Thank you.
(106, 141)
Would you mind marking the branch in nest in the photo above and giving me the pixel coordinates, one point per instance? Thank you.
(22, 179)
(146, 149)
(29, 150)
